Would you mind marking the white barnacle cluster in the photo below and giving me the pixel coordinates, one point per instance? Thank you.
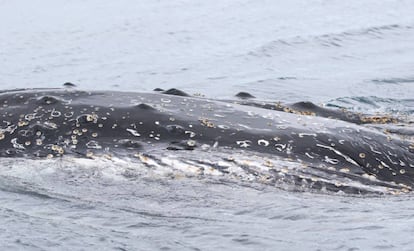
(154, 135)
(22, 123)
(92, 118)
(191, 143)
(57, 149)
(207, 122)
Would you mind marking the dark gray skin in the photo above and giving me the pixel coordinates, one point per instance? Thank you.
(42, 123)
(309, 108)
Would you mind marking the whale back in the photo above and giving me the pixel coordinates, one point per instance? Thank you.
(50, 123)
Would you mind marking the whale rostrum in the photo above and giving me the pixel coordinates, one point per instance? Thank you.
(52, 123)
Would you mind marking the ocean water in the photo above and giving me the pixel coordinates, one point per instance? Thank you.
(353, 54)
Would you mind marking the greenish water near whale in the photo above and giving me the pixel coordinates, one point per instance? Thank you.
(355, 55)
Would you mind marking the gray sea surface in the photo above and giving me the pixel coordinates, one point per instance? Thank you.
(350, 54)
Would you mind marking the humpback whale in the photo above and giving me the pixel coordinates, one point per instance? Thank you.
(302, 144)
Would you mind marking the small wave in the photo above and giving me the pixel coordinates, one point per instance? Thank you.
(332, 39)
(14, 185)
(374, 104)
(393, 80)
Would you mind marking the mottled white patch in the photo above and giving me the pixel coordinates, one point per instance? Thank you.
(245, 126)
(223, 127)
(50, 125)
(244, 143)
(280, 147)
(301, 135)
(282, 127)
(93, 145)
(331, 161)
(347, 130)
(32, 116)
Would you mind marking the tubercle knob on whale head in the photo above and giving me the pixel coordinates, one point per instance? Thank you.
(244, 95)
(69, 84)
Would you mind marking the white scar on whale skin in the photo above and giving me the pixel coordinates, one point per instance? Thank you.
(17, 145)
(310, 156)
(133, 132)
(347, 158)
(331, 161)
(262, 142)
(244, 143)
(93, 145)
(301, 135)
(191, 133)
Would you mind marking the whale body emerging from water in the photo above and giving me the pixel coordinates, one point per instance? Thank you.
(52, 123)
